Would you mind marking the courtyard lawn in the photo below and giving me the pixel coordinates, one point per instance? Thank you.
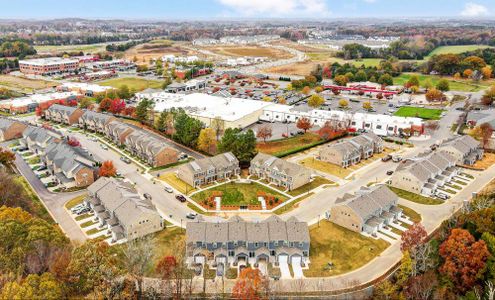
(415, 197)
(345, 249)
(290, 145)
(134, 83)
(411, 213)
(455, 85)
(317, 181)
(73, 202)
(423, 113)
(176, 183)
(238, 193)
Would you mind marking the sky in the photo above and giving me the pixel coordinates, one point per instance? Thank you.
(235, 9)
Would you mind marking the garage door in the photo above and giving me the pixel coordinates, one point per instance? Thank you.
(283, 261)
(296, 267)
(199, 259)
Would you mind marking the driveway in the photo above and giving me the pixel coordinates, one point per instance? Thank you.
(284, 267)
(297, 268)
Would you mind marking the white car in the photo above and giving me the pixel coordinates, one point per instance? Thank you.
(168, 189)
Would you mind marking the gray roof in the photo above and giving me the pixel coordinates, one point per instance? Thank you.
(376, 198)
(271, 162)
(67, 158)
(463, 143)
(5, 123)
(40, 135)
(94, 116)
(223, 160)
(62, 109)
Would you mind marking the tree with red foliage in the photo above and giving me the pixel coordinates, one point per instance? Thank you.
(464, 259)
(39, 111)
(264, 132)
(327, 131)
(105, 104)
(327, 73)
(421, 286)
(107, 169)
(335, 91)
(73, 142)
(117, 106)
(304, 124)
(413, 237)
(379, 96)
(251, 284)
(72, 103)
(129, 111)
(486, 133)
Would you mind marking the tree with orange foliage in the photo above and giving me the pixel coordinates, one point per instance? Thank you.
(264, 132)
(251, 284)
(105, 104)
(464, 259)
(304, 124)
(434, 95)
(467, 73)
(412, 237)
(7, 157)
(486, 72)
(107, 169)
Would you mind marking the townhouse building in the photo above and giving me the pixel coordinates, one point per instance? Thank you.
(424, 175)
(236, 240)
(279, 171)
(465, 149)
(121, 210)
(367, 211)
(37, 139)
(210, 169)
(118, 131)
(151, 148)
(95, 121)
(351, 151)
(63, 114)
(71, 166)
(11, 129)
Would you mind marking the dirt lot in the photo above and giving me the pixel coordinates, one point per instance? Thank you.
(301, 47)
(24, 84)
(249, 51)
(156, 49)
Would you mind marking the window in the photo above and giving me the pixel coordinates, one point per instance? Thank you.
(231, 253)
(251, 254)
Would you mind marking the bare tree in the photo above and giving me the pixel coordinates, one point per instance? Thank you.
(422, 258)
(138, 254)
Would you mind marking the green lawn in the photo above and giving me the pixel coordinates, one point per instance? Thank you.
(134, 83)
(415, 197)
(317, 181)
(455, 49)
(412, 214)
(458, 85)
(73, 202)
(423, 113)
(238, 193)
(294, 204)
(172, 179)
(346, 249)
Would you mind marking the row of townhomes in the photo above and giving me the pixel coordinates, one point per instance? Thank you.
(368, 211)
(11, 129)
(281, 172)
(465, 149)
(70, 166)
(236, 241)
(225, 165)
(119, 208)
(424, 175)
(63, 114)
(206, 170)
(351, 151)
(151, 148)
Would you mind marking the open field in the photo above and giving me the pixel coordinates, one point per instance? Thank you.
(415, 197)
(487, 161)
(302, 47)
(347, 250)
(455, 49)
(156, 49)
(24, 84)
(176, 183)
(249, 51)
(423, 113)
(134, 83)
(462, 85)
(86, 48)
(238, 193)
(283, 145)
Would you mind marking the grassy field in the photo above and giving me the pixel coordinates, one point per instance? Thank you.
(423, 113)
(250, 51)
(155, 49)
(86, 48)
(279, 146)
(317, 181)
(238, 193)
(411, 213)
(487, 161)
(415, 197)
(176, 183)
(20, 84)
(347, 250)
(134, 83)
(462, 85)
(455, 49)
(73, 202)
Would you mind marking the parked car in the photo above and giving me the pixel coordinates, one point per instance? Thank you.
(442, 196)
(434, 147)
(94, 139)
(168, 189)
(181, 198)
(147, 196)
(83, 211)
(191, 216)
(125, 159)
(42, 168)
(396, 158)
(390, 172)
(78, 207)
(183, 156)
(386, 158)
(104, 147)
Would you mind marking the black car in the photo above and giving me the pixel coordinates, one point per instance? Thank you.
(390, 172)
(147, 196)
(181, 198)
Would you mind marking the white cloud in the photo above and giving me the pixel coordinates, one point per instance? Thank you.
(474, 10)
(278, 8)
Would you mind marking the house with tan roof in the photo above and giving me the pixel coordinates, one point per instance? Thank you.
(367, 211)
(464, 148)
(281, 172)
(63, 114)
(11, 129)
(424, 175)
(95, 121)
(207, 170)
(118, 131)
(236, 240)
(121, 210)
